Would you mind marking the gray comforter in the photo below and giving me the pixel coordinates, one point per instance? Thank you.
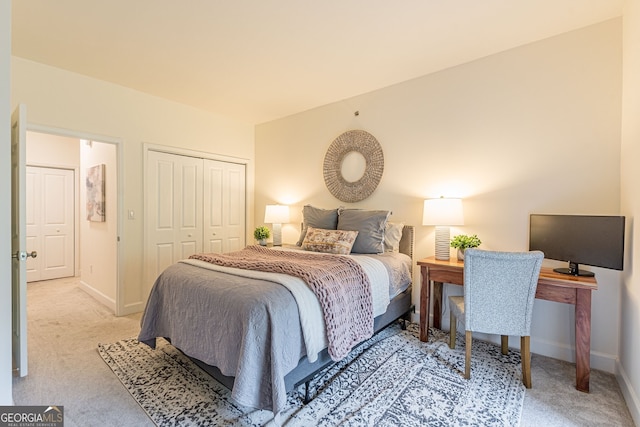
(248, 328)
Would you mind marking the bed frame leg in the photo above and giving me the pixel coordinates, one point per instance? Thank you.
(306, 392)
(407, 317)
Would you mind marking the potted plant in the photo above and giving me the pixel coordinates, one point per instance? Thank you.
(261, 234)
(462, 242)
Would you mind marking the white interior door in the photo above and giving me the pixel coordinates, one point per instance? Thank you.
(224, 206)
(18, 240)
(173, 217)
(50, 223)
(33, 193)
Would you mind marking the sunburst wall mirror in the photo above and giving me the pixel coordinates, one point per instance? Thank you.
(353, 166)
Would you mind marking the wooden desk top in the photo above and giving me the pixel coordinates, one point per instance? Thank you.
(547, 275)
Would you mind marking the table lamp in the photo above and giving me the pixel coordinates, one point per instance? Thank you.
(442, 213)
(276, 215)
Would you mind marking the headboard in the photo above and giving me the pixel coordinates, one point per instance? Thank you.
(407, 240)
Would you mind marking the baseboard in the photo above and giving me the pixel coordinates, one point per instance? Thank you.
(415, 317)
(630, 396)
(102, 298)
(562, 351)
(128, 309)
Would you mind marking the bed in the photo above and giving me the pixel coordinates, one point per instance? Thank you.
(253, 331)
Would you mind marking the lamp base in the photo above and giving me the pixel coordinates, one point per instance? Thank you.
(442, 243)
(277, 234)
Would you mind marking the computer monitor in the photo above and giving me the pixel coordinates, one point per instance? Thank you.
(579, 239)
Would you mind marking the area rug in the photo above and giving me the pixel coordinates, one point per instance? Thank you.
(392, 379)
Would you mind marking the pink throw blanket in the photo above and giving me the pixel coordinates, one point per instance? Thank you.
(339, 283)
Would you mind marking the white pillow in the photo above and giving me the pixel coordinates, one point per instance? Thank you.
(392, 236)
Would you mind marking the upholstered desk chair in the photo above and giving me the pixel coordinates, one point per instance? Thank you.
(499, 290)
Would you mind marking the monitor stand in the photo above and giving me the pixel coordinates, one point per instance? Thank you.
(574, 270)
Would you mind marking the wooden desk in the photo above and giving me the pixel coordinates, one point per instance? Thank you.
(552, 286)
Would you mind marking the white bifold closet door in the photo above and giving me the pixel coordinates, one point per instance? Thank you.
(224, 206)
(192, 205)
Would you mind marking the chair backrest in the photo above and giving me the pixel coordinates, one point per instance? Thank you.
(499, 290)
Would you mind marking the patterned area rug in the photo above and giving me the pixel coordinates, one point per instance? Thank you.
(392, 379)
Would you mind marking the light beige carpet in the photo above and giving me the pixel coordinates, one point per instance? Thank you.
(66, 324)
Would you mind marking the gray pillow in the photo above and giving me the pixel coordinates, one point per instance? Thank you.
(317, 218)
(370, 226)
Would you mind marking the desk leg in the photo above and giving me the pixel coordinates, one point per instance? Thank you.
(425, 292)
(437, 305)
(583, 339)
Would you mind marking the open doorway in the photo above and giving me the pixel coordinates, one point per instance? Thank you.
(74, 229)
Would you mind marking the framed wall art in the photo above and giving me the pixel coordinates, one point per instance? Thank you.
(95, 183)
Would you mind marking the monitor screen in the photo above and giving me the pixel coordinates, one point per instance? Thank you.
(579, 239)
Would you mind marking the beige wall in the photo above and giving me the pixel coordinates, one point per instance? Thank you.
(6, 397)
(105, 112)
(98, 247)
(52, 150)
(629, 368)
(535, 129)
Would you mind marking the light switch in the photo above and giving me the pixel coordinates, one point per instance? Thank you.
(132, 214)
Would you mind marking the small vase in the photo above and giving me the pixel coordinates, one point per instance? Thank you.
(262, 242)
(460, 254)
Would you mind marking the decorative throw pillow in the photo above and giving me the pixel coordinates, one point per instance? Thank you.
(317, 218)
(370, 226)
(329, 241)
(392, 236)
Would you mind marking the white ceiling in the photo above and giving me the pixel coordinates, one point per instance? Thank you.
(259, 60)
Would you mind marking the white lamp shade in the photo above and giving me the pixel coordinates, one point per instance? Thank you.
(276, 214)
(442, 212)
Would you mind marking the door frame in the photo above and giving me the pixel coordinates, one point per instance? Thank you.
(118, 143)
